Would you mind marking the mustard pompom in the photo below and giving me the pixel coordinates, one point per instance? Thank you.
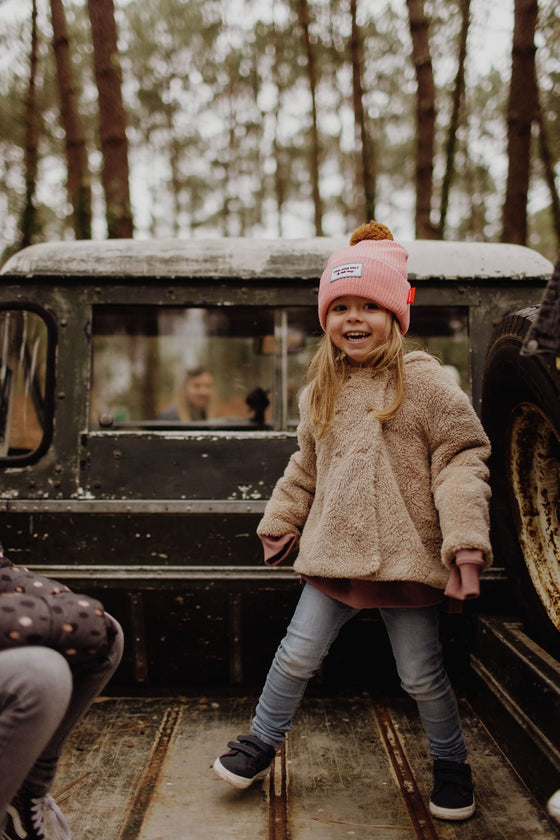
(371, 230)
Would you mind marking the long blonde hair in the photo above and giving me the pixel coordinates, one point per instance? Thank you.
(328, 370)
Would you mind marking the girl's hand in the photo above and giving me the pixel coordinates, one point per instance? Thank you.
(277, 549)
(464, 580)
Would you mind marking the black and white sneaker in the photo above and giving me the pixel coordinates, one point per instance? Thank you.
(248, 759)
(26, 815)
(452, 797)
(553, 806)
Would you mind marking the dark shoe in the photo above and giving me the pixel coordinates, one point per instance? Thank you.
(248, 759)
(26, 818)
(452, 797)
(553, 806)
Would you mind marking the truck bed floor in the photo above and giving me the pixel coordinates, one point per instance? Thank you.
(140, 769)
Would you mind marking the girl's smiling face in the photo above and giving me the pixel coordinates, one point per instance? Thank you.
(357, 326)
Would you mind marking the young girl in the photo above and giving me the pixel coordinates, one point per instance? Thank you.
(387, 501)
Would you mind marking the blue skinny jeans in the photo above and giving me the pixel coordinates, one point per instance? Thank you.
(414, 637)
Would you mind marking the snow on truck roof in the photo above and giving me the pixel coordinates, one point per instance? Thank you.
(248, 259)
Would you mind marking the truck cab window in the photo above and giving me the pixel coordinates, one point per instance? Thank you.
(26, 386)
(230, 368)
(443, 332)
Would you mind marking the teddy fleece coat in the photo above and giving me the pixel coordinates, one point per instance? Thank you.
(391, 501)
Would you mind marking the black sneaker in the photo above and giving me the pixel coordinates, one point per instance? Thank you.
(248, 759)
(26, 818)
(553, 806)
(452, 797)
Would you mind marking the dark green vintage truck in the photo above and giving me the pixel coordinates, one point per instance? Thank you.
(106, 486)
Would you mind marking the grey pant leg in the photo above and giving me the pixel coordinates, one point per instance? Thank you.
(35, 690)
(89, 680)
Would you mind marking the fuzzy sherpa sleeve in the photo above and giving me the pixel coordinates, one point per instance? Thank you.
(459, 450)
(292, 497)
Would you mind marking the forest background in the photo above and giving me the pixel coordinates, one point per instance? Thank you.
(279, 118)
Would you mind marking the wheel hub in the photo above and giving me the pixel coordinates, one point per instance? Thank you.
(534, 474)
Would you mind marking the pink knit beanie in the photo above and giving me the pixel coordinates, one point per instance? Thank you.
(372, 266)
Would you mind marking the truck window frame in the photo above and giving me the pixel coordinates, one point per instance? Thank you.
(33, 455)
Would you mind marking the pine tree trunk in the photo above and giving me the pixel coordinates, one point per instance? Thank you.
(79, 183)
(364, 144)
(425, 117)
(522, 110)
(315, 145)
(458, 99)
(549, 169)
(29, 221)
(280, 157)
(112, 119)
(174, 158)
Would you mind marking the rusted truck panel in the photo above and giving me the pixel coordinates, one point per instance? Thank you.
(97, 490)
(103, 487)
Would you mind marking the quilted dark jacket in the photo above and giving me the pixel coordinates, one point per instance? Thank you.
(544, 335)
(37, 611)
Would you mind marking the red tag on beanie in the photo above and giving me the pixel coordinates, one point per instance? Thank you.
(411, 293)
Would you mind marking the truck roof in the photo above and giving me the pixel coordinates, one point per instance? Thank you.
(248, 259)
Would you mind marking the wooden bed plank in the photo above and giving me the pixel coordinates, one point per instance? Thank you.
(505, 808)
(112, 746)
(340, 780)
(191, 801)
(148, 765)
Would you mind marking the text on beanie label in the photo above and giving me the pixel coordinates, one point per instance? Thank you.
(339, 272)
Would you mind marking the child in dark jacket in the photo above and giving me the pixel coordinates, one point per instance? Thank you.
(57, 651)
(386, 500)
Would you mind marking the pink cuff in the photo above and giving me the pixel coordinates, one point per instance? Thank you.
(464, 580)
(469, 555)
(277, 549)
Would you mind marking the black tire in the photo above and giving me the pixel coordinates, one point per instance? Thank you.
(521, 415)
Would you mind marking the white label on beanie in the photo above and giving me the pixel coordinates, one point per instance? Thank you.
(339, 272)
